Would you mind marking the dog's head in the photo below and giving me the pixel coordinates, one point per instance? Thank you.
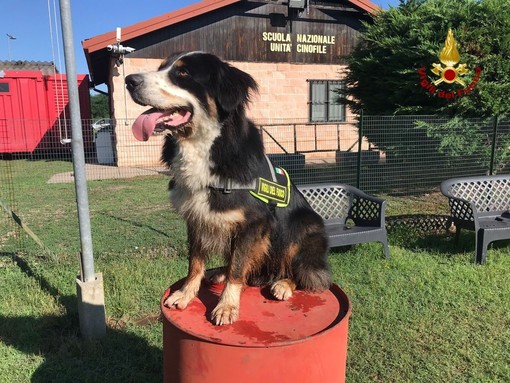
(194, 90)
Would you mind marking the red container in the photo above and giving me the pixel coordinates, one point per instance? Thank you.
(302, 340)
(34, 112)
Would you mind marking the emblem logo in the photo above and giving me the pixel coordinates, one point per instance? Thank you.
(449, 72)
(449, 56)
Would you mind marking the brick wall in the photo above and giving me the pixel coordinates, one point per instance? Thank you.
(282, 98)
(283, 89)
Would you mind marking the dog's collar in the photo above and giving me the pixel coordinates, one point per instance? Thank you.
(275, 191)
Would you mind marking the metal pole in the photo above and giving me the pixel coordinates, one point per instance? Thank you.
(493, 147)
(89, 285)
(295, 138)
(80, 180)
(358, 162)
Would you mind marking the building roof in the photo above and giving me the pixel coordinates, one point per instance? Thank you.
(100, 42)
(96, 44)
(366, 5)
(46, 67)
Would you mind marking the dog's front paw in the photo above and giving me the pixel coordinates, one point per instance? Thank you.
(283, 289)
(179, 299)
(225, 314)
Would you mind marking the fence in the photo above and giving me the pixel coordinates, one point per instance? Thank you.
(390, 156)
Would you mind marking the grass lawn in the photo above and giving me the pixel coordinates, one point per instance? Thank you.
(426, 315)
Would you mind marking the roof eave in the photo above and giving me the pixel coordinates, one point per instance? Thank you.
(366, 5)
(102, 41)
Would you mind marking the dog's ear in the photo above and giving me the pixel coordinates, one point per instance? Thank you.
(233, 87)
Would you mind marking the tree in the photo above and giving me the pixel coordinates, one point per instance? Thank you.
(99, 106)
(392, 64)
(383, 73)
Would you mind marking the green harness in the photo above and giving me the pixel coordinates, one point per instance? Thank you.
(274, 191)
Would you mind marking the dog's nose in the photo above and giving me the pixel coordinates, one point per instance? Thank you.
(133, 81)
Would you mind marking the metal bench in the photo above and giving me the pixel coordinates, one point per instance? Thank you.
(350, 215)
(480, 204)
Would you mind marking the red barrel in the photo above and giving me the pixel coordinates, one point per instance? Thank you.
(302, 340)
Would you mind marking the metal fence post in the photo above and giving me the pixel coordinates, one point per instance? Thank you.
(89, 285)
(493, 147)
(295, 138)
(358, 162)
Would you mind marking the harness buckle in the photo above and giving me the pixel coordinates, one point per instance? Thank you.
(227, 189)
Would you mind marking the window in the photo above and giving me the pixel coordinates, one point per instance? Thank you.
(324, 105)
(4, 87)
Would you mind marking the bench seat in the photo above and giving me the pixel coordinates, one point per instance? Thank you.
(350, 215)
(478, 204)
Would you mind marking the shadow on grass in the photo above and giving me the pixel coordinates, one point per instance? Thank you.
(136, 224)
(435, 237)
(426, 232)
(118, 357)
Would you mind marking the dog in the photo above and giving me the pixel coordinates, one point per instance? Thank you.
(216, 156)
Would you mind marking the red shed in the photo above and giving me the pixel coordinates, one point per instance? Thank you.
(34, 110)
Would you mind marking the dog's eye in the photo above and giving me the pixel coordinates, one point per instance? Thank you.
(182, 72)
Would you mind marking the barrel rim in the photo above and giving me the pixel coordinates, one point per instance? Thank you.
(342, 318)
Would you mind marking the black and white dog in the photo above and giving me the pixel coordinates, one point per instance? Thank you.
(225, 187)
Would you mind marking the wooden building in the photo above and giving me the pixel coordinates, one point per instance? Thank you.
(295, 50)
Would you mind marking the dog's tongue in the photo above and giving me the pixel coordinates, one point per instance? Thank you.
(144, 125)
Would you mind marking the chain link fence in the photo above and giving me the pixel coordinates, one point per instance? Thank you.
(421, 151)
(400, 155)
(383, 155)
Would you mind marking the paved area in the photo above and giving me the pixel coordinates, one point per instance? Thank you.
(96, 172)
(102, 172)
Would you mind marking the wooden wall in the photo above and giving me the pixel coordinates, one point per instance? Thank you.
(260, 32)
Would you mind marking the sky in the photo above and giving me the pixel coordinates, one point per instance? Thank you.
(35, 25)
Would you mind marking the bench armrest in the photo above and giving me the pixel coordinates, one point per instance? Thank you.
(367, 210)
(335, 202)
(462, 209)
